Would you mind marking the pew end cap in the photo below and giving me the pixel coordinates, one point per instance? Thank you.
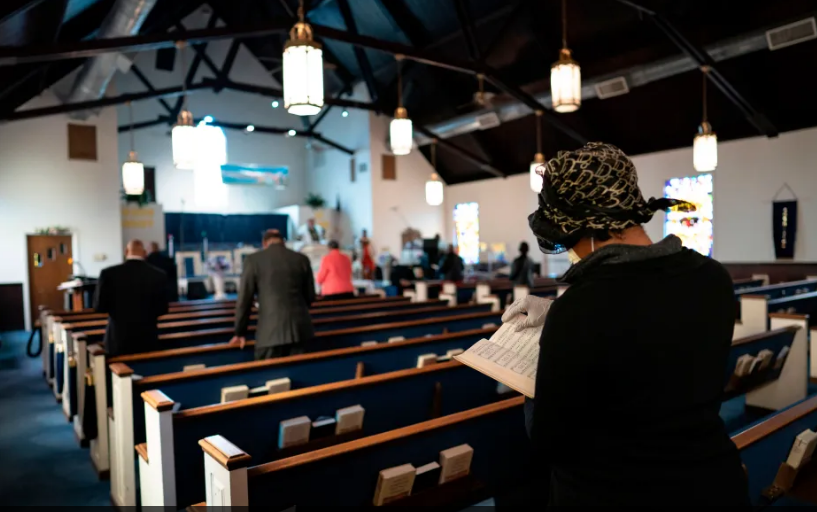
(224, 452)
(97, 349)
(121, 369)
(142, 450)
(158, 400)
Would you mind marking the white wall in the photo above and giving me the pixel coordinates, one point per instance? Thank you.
(749, 173)
(330, 173)
(504, 206)
(175, 188)
(41, 187)
(401, 203)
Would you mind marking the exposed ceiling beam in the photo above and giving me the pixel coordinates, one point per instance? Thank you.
(703, 59)
(144, 79)
(229, 60)
(509, 22)
(144, 124)
(201, 54)
(464, 153)
(167, 92)
(403, 19)
(12, 8)
(270, 92)
(467, 26)
(360, 53)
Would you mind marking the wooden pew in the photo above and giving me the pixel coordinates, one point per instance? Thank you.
(172, 437)
(203, 387)
(775, 291)
(749, 282)
(765, 445)
(495, 432)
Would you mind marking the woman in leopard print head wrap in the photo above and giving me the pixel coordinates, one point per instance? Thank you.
(633, 355)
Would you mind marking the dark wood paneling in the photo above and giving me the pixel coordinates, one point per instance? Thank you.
(12, 310)
(389, 167)
(82, 142)
(778, 272)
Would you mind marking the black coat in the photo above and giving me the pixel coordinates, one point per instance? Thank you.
(167, 265)
(285, 285)
(134, 296)
(629, 386)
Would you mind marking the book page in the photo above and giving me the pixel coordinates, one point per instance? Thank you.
(509, 357)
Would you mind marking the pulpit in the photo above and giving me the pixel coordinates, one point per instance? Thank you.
(78, 293)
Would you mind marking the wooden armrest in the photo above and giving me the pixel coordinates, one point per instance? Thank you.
(774, 423)
(110, 412)
(789, 316)
(97, 349)
(121, 369)
(78, 335)
(224, 452)
(198, 507)
(158, 400)
(142, 450)
(750, 296)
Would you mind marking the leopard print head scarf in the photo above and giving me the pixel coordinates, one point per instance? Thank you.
(589, 189)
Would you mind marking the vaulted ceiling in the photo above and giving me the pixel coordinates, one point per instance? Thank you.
(760, 92)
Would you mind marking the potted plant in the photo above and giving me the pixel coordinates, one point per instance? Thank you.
(315, 201)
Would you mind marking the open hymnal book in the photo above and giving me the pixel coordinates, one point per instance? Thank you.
(509, 357)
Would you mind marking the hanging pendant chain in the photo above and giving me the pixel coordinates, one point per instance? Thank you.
(301, 14)
(434, 155)
(705, 99)
(538, 133)
(130, 114)
(564, 24)
(184, 76)
(399, 84)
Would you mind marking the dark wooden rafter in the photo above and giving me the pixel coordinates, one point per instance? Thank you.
(360, 53)
(12, 8)
(146, 82)
(509, 23)
(467, 26)
(756, 118)
(201, 55)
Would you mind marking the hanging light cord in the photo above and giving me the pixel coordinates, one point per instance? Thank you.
(434, 155)
(301, 13)
(539, 132)
(705, 72)
(564, 24)
(399, 82)
(184, 75)
(130, 114)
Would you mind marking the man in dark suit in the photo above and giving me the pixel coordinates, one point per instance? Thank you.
(165, 263)
(134, 296)
(285, 286)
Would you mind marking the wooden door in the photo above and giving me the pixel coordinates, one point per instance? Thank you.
(50, 263)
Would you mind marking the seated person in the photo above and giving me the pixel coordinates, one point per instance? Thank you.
(335, 274)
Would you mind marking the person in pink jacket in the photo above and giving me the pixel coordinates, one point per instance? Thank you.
(335, 274)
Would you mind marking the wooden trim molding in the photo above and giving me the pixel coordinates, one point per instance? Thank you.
(110, 413)
(152, 380)
(158, 400)
(774, 423)
(755, 297)
(142, 450)
(320, 304)
(765, 335)
(224, 452)
(78, 335)
(121, 369)
(377, 439)
(411, 323)
(97, 349)
(387, 314)
(789, 316)
(178, 352)
(198, 507)
(372, 380)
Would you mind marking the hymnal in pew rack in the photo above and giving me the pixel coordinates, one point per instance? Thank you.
(509, 357)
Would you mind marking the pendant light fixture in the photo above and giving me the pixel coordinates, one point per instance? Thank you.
(434, 187)
(184, 131)
(705, 147)
(565, 76)
(303, 69)
(537, 179)
(401, 134)
(133, 171)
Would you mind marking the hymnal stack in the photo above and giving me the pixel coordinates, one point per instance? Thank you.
(766, 357)
(349, 419)
(193, 367)
(744, 365)
(426, 360)
(393, 484)
(455, 462)
(233, 393)
(781, 358)
(294, 432)
(324, 426)
(278, 385)
(368, 343)
(454, 352)
(803, 449)
(396, 338)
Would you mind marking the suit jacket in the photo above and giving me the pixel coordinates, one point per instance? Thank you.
(335, 275)
(134, 296)
(167, 265)
(285, 286)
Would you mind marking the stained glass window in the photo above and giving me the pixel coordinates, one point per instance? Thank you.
(466, 224)
(693, 228)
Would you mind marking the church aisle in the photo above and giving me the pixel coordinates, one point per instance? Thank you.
(41, 462)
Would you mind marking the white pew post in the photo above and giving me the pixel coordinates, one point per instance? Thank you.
(754, 314)
(225, 473)
(813, 352)
(520, 292)
(421, 289)
(67, 362)
(81, 360)
(59, 347)
(482, 290)
(99, 446)
(792, 385)
(449, 293)
(123, 478)
(762, 277)
(560, 290)
(411, 294)
(45, 335)
(157, 474)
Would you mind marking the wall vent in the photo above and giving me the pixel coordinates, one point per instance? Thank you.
(488, 121)
(794, 33)
(611, 88)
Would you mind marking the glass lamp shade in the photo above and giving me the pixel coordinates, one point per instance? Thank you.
(303, 72)
(184, 142)
(212, 146)
(133, 176)
(401, 133)
(434, 191)
(705, 150)
(566, 84)
(536, 179)
(209, 190)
